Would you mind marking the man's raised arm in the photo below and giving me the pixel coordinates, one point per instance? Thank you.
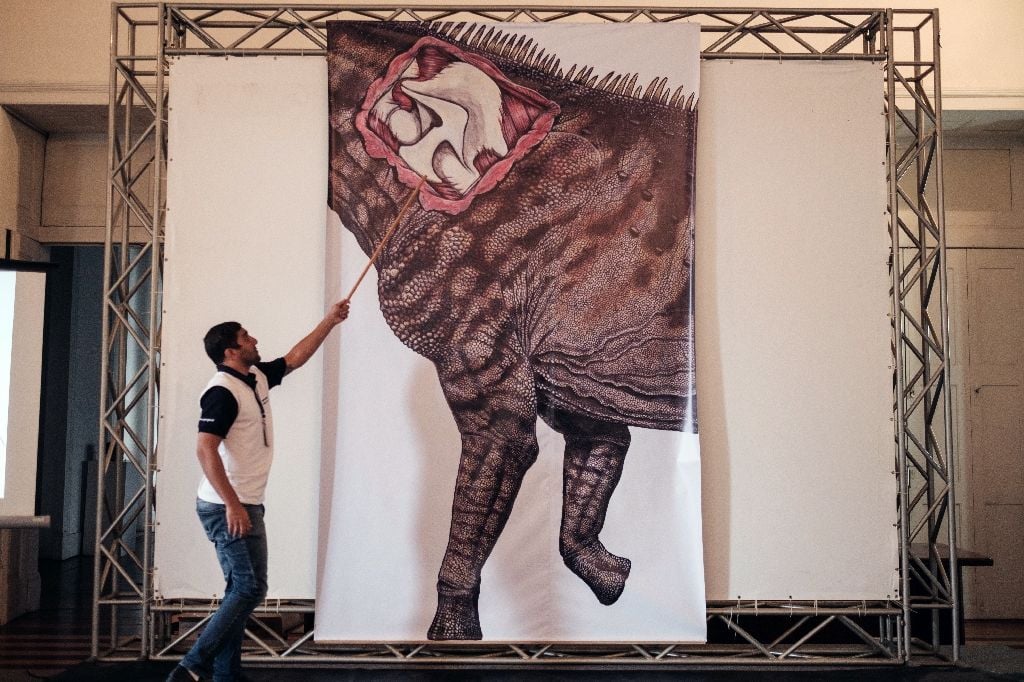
(304, 349)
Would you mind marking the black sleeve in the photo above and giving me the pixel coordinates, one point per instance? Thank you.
(218, 409)
(275, 371)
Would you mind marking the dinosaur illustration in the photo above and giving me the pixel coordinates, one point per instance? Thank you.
(545, 269)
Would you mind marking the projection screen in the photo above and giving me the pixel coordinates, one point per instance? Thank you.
(792, 333)
(22, 295)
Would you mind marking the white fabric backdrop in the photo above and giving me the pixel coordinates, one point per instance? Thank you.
(246, 188)
(794, 394)
(794, 386)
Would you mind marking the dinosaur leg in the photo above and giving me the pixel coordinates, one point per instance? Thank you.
(592, 471)
(499, 444)
(594, 455)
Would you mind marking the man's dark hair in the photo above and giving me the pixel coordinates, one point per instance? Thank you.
(221, 337)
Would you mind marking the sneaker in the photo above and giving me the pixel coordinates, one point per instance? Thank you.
(182, 674)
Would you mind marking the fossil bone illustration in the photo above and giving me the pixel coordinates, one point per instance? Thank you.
(545, 269)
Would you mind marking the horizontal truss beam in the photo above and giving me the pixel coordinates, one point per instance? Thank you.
(794, 646)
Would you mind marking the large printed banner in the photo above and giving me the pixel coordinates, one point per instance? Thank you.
(529, 191)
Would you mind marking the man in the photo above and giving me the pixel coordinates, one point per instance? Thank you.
(235, 448)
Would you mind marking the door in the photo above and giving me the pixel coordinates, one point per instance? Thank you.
(994, 386)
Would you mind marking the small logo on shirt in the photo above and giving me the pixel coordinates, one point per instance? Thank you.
(206, 419)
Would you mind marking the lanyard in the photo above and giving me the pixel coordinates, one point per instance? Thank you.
(263, 416)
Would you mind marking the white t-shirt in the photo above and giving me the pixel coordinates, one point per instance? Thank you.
(247, 450)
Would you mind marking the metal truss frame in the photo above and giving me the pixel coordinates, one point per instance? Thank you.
(131, 622)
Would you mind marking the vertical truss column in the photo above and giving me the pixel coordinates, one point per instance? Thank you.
(159, 203)
(122, 588)
(99, 562)
(897, 324)
(947, 398)
(929, 572)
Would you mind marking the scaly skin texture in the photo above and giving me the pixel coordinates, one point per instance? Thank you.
(564, 292)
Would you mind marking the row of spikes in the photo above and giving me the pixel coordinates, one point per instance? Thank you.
(525, 51)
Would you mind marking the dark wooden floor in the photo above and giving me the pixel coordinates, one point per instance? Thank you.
(54, 641)
(58, 635)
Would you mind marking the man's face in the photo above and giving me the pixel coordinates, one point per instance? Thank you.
(246, 350)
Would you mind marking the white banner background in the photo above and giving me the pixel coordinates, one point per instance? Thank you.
(246, 190)
(794, 385)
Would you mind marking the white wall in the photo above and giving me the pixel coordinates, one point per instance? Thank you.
(74, 183)
(984, 191)
(21, 156)
(54, 51)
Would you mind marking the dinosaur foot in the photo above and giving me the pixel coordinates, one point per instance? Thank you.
(601, 570)
(457, 617)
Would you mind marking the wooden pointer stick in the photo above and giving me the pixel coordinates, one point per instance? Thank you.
(387, 235)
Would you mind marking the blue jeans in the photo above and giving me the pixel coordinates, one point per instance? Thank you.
(244, 562)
